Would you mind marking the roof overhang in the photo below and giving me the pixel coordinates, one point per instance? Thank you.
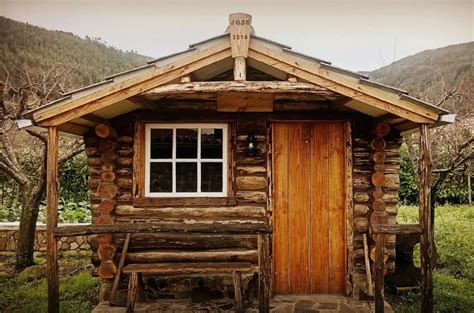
(83, 108)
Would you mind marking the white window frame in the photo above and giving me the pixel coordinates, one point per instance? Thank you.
(174, 160)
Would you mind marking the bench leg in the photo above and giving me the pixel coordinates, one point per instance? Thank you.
(132, 292)
(140, 288)
(237, 278)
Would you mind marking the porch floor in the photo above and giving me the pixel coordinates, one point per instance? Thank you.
(278, 304)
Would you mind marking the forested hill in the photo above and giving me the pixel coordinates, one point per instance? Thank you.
(39, 49)
(430, 73)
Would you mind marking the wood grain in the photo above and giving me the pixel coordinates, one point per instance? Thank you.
(280, 194)
(298, 208)
(336, 208)
(319, 209)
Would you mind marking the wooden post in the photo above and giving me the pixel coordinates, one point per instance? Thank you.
(237, 279)
(427, 237)
(379, 272)
(240, 72)
(263, 273)
(52, 220)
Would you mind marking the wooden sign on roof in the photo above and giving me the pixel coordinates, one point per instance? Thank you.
(240, 26)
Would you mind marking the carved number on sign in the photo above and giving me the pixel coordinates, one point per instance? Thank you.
(240, 22)
(240, 36)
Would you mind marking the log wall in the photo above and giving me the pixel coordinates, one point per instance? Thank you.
(364, 194)
(251, 186)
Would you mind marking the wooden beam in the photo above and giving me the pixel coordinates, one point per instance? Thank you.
(121, 90)
(236, 101)
(397, 229)
(52, 220)
(240, 69)
(217, 226)
(314, 73)
(427, 237)
(246, 86)
(143, 102)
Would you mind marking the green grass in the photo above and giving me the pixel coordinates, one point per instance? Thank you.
(78, 291)
(454, 274)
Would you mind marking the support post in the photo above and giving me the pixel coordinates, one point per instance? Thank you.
(427, 237)
(379, 272)
(263, 273)
(240, 72)
(52, 219)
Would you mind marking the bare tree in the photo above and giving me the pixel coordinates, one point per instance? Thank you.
(22, 90)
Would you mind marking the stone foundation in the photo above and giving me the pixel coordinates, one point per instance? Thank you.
(9, 237)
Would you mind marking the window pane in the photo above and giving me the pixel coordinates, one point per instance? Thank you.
(161, 177)
(161, 144)
(186, 143)
(211, 143)
(186, 177)
(211, 177)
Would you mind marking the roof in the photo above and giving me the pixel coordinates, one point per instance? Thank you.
(210, 57)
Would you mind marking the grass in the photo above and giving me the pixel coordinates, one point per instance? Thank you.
(454, 274)
(78, 290)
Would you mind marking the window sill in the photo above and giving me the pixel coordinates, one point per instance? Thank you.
(198, 201)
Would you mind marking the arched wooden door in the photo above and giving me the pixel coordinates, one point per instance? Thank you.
(309, 193)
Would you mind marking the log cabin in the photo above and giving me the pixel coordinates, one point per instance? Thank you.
(241, 166)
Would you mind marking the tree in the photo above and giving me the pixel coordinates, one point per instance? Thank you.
(23, 89)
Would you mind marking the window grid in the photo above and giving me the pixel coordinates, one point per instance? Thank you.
(174, 160)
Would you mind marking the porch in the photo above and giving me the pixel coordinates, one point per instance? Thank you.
(278, 304)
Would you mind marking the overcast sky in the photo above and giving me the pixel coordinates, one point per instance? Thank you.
(358, 35)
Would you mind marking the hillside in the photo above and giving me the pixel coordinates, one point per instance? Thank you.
(430, 73)
(39, 49)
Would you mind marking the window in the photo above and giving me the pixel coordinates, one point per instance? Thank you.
(186, 160)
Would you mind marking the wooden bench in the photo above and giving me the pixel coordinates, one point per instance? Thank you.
(210, 268)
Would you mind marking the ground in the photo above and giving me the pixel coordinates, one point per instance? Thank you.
(78, 287)
(453, 279)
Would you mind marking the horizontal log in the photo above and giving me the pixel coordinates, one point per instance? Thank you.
(188, 268)
(361, 197)
(176, 241)
(249, 170)
(360, 209)
(107, 177)
(251, 182)
(105, 131)
(106, 206)
(124, 139)
(247, 86)
(125, 151)
(109, 156)
(107, 145)
(216, 212)
(125, 161)
(210, 227)
(398, 229)
(192, 256)
(92, 151)
(252, 196)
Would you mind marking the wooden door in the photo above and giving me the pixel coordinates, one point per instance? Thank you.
(309, 193)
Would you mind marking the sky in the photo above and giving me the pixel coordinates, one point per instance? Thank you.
(360, 35)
